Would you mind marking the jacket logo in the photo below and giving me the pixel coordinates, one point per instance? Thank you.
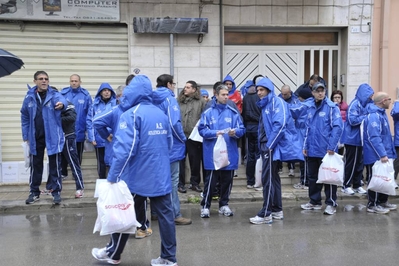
(81, 101)
(277, 110)
(175, 108)
(322, 114)
(159, 126)
(48, 104)
(227, 119)
(30, 104)
(374, 124)
(123, 125)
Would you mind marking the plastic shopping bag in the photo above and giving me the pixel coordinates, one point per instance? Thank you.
(25, 147)
(258, 173)
(195, 134)
(88, 146)
(331, 171)
(115, 209)
(382, 180)
(220, 155)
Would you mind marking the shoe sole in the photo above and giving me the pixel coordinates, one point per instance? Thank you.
(205, 216)
(373, 211)
(31, 202)
(328, 213)
(109, 261)
(263, 222)
(227, 214)
(311, 209)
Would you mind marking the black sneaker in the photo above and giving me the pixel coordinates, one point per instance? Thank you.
(57, 199)
(32, 199)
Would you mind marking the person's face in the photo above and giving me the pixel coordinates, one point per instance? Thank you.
(222, 96)
(337, 98)
(262, 92)
(229, 85)
(386, 103)
(106, 93)
(319, 94)
(205, 97)
(171, 85)
(41, 82)
(285, 94)
(189, 90)
(74, 81)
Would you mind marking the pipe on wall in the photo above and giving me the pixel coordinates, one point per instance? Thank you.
(384, 44)
(221, 43)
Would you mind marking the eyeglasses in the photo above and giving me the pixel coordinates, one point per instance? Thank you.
(337, 97)
(42, 79)
(174, 84)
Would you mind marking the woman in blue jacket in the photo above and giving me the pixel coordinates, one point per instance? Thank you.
(104, 100)
(220, 119)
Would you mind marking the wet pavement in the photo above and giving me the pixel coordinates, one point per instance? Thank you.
(64, 236)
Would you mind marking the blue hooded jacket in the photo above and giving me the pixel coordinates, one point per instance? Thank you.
(377, 138)
(214, 119)
(244, 89)
(356, 113)
(233, 89)
(99, 107)
(278, 125)
(143, 140)
(323, 128)
(52, 120)
(106, 122)
(299, 113)
(81, 99)
(165, 99)
(395, 116)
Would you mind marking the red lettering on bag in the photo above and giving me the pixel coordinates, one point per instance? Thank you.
(223, 151)
(334, 170)
(122, 206)
(383, 177)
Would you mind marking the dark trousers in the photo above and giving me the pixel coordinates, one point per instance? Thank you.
(272, 199)
(304, 172)
(140, 206)
(396, 163)
(163, 208)
(225, 178)
(194, 152)
(70, 154)
(64, 160)
(374, 198)
(252, 155)
(101, 167)
(315, 189)
(353, 166)
(54, 181)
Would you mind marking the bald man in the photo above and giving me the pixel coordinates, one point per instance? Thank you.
(378, 145)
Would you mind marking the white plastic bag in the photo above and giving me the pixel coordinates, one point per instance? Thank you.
(195, 134)
(88, 146)
(220, 155)
(258, 173)
(382, 180)
(331, 171)
(25, 147)
(115, 209)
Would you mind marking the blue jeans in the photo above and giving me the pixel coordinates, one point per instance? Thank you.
(174, 172)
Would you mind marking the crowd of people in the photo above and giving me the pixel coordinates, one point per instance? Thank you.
(143, 136)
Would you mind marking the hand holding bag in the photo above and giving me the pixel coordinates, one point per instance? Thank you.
(382, 180)
(220, 155)
(331, 171)
(115, 207)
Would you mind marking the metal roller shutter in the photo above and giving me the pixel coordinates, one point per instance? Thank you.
(97, 52)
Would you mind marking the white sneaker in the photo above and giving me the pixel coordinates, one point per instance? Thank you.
(330, 210)
(310, 206)
(205, 213)
(225, 210)
(291, 173)
(261, 220)
(348, 191)
(389, 206)
(79, 194)
(258, 188)
(250, 186)
(377, 209)
(162, 262)
(278, 215)
(101, 255)
(360, 190)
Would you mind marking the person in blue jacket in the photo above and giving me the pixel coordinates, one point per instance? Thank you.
(324, 128)
(42, 129)
(164, 98)
(81, 99)
(277, 141)
(219, 120)
(143, 140)
(378, 145)
(395, 116)
(356, 113)
(104, 100)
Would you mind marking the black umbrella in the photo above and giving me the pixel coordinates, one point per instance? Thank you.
(9, 63)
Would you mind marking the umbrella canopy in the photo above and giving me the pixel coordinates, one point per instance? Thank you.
(9, 63)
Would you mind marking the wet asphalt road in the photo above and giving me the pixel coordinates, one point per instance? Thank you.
(350, 237)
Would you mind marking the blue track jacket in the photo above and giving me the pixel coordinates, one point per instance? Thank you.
(356, 113)
(52, 120)
(142, 142)
(214, 119)
(81, 99)
(395, 116)
(279, 126)
(323, 128)
(165, 99)
(377, 138)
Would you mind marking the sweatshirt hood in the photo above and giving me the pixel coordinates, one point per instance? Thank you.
(139, 90)
(363, 94)
(229, 78)
(160, 94)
